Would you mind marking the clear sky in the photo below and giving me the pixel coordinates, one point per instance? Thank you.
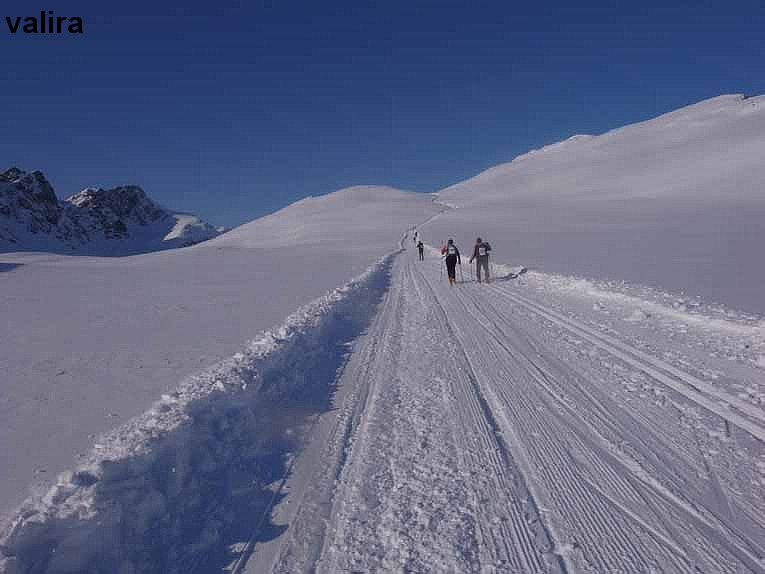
(234, 109)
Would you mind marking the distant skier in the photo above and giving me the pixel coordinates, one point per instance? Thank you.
(421, 249)
(452, 259)
(481, 255)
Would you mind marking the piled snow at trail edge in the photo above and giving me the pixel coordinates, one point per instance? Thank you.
(155, 494)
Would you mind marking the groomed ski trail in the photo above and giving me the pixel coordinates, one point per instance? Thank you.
(480, 430)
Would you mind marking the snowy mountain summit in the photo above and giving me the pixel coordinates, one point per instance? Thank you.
(118, 221)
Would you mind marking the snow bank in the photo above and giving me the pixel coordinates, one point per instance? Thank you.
(502, 270)
(136, 326)
(720, 330)
(163, 491)
(647, 301)
(713, 337)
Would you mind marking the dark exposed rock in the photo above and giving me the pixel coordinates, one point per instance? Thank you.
(30, 212)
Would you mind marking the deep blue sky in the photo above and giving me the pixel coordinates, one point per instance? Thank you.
(233, 109)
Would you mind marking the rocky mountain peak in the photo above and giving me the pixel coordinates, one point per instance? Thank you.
(117, 206)
(32, 184)
(30, 212)
(29, 199)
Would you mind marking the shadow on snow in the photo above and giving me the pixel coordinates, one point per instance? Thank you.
(8, 266)
(204, 488)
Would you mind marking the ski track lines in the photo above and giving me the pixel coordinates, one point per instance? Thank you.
(583, 521)
(679, 381)
(506, 483)
(307, 530)
(622, 484)
(472, 437)
(614, 515)
(428, 487)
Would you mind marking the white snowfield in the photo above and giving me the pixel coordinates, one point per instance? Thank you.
(355, 219)
(541, 423)
(88, 343)
(676, 202)
(519, 426)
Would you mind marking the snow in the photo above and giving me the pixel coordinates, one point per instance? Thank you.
(190, 229)
(603, 411)
(482, 429)
(356, 218)
(637, 316)
(88, 343)
(675, 203)
(160, 465)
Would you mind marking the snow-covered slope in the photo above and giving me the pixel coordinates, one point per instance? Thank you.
(541, 423)
(353, 219)
(402, 424)
(118, 221)
(87, 343)
(676, 202)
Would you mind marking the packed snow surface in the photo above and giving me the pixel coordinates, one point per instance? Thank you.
(196, 456)
(554, 420)
(676, 202)
(525, 425)
(87, 343)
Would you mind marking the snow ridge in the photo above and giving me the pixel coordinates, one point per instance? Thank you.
(163, 491)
